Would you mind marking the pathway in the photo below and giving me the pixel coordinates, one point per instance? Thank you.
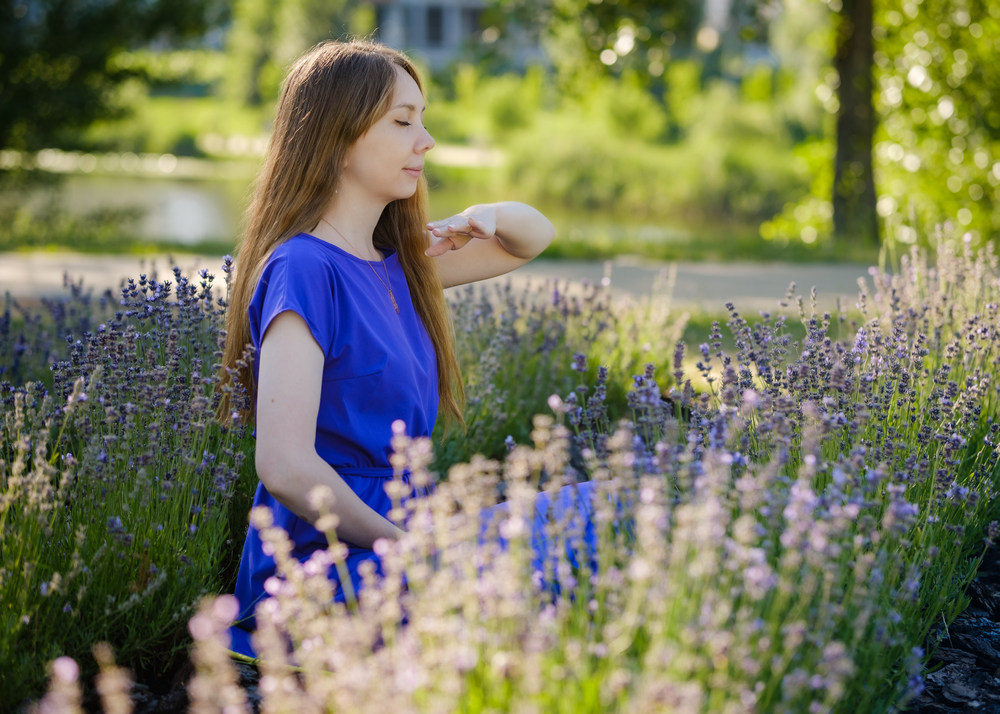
(701, 286)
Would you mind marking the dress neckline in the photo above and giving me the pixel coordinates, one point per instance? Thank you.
(387, 253)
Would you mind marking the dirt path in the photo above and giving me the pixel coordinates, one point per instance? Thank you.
(703, 286)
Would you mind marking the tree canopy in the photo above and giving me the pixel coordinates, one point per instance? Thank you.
(267, 35)
(938, 146)
(57, 58)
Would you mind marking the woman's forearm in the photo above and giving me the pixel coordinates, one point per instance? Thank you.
(522, 230)
(487, 240)
(293, 482)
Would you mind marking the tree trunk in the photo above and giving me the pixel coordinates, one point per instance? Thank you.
(854, 214)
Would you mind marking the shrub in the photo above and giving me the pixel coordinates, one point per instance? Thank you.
(119, 488)
(478, 108)
(123, 500)
(513, 342)
(733, 163)
(783, 542)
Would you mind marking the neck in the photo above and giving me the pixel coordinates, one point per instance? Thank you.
(350, 224)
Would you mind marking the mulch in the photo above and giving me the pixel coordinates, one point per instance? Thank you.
(963, 675)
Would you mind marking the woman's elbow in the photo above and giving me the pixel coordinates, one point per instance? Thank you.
(542, 230)
(276, 472)
(548, 234)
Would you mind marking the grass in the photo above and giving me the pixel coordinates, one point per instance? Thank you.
(603, 234)
(704, 243)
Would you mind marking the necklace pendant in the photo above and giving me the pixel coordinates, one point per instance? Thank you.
(393, 298)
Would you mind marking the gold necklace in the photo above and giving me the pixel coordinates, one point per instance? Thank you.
(387, 283)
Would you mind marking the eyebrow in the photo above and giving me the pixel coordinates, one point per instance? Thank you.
(411, 107)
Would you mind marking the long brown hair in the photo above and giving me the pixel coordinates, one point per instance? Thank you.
(332, 95)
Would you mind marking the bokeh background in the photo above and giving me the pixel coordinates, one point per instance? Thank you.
(668, 129)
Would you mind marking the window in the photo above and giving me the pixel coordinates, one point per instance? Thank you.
(435, 26)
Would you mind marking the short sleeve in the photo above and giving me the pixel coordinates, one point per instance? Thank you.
(297, 280)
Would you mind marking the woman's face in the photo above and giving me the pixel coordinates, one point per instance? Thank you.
(386, 162)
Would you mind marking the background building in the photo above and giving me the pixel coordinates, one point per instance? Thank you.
(443, 31)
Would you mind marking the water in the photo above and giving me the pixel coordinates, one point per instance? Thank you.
(189, 210)
(185, 211)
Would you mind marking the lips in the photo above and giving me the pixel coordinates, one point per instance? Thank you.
(414, 170)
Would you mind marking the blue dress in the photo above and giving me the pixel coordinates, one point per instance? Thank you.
(379, 366)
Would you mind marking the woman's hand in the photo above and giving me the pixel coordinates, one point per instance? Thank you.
(508, 234)
(453, 233)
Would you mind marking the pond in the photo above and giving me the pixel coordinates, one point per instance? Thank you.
(193, 210)
(186, 211)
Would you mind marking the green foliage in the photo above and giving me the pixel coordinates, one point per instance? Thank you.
(510, 103)
(582, 166)
(938, 150)
(938, 136)
(250, 42)
(176, 125)
(267, 36)
(731, 161)
(627, 108)
(809, 219)
(623, 36)
(58, 71)
(476, 108)
(752, 147)
(683, 86)
(190, 71)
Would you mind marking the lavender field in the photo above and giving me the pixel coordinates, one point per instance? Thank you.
(784, 513)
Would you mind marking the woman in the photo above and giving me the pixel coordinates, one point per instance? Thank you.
(339, 291)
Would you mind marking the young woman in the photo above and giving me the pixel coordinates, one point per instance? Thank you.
(338, 289)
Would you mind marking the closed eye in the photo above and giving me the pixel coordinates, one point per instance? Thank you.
(402, 123)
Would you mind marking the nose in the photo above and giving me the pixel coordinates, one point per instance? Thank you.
(426, 142)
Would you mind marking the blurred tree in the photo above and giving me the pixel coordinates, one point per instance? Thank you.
(267, 35)
(626, 35)
(854, 214)
(936, 127)
(904, 90)
(250, 46)
(57, 58)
